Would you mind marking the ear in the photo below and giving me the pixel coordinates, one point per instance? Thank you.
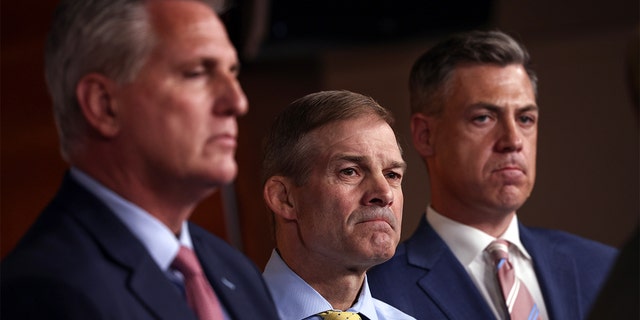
(95, 97)
(422, 129)
(278, 197)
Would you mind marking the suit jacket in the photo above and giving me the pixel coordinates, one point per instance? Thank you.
(620, 294)
(79, 261)
(425, 280)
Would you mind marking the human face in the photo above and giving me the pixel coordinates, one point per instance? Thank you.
(481, 151)
(179, 113)
(349, 211)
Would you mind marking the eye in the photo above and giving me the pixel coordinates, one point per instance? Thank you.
(527, 119)
(195, 72)
(349, 172)
(484, 118)
(394, 175)
(235, 69)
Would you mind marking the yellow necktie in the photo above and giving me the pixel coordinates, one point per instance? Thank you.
(339, 315)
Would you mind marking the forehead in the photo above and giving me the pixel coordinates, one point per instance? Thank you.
(368, 136)
(491, 84)
(190, 25)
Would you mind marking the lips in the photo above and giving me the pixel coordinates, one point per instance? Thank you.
(509, 169)
(511, 165)
(378, 215)
(227, 140)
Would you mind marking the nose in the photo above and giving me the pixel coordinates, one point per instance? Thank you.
(510, 137)
(230, 99)
(379, 192)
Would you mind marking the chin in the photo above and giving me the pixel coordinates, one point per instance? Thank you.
(223, 174)
(382, 256)
(512, 197)
(383, 250)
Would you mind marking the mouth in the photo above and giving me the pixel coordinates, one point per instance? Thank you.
(509, 168)
(510, 174)
(225, 140)
(511, 165)
(385, 219)
(376, 221)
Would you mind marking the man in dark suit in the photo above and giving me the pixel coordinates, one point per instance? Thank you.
(146, 98)
(474, 123)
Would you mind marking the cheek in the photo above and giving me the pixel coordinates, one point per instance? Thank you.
(398, 205)
(318, 206)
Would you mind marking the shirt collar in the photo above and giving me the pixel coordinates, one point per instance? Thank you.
(296, 299)
(467, 242)
(365, 304)
(156, 237)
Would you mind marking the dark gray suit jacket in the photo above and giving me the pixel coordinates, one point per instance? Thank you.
(79, 261)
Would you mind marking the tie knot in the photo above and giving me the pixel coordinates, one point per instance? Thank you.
(499, 250)
(186, 262)
(339, 315)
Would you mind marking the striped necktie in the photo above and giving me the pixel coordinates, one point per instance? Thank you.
(518, 300)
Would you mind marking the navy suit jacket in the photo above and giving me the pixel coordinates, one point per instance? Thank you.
(79, 261)
(425, 280)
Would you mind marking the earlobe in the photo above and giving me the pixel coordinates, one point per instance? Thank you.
(278, 197)
(422, 134)
(95, 97)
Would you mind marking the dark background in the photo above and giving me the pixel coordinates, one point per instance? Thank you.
(588, 161)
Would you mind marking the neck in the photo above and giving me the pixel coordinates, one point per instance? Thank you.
(168, 202)
(342, 293)
(340, 285)
(490, 222)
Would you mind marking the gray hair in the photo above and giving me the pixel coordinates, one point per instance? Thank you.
(428, 82)
(288, 151)
(110, 37)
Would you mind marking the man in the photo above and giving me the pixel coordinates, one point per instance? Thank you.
(474, 123)
(333, 171)
(146, 98)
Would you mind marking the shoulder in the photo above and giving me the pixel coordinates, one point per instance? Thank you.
(566, 242)
(233, 275)
(385, 311)
(221, 255)
(591, 260)
(209, 243)
(53, 274)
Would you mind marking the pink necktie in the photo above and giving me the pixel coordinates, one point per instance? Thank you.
(200, 296)
(517, 298)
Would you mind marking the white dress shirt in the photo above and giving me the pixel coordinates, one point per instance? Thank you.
(295, 299)
(468, 244)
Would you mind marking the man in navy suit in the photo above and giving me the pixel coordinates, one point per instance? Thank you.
(474, 123)
(146, 97)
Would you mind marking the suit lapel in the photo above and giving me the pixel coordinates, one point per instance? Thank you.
(446, 282)
(161, 297)
(146, 281)
(555, 271)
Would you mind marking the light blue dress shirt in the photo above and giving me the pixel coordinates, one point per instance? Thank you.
(295, 299)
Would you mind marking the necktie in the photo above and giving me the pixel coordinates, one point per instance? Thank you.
(517, 298)
(200, 296)
(339, 315)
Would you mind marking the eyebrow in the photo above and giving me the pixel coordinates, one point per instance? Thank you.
(497, 109)
(361, 159)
